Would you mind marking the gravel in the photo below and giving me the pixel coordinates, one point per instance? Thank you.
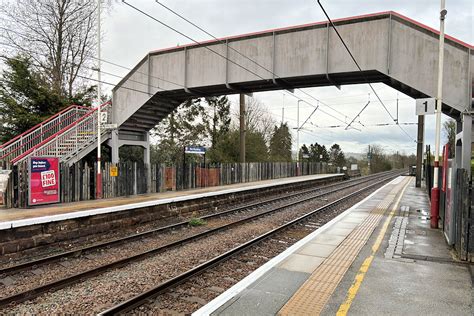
(98, 293)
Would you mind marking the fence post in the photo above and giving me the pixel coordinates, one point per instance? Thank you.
(57, 146)
(135, 178)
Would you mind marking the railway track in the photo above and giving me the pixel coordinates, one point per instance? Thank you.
(117, 241)
(145, 297)
(298, 198)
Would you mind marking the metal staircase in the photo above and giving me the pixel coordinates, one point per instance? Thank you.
(37, 134)
(66, 135)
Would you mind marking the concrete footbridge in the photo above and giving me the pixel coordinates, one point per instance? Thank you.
(388, 46)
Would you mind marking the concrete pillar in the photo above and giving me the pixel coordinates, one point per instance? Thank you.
(419, 149)
(466, 142)
(242, 128)
(146, 160)
(114, 145)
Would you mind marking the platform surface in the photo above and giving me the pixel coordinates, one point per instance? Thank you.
(367, 261)
(21, 217)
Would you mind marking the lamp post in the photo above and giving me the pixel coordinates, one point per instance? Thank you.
(439, 102)
(98, 191)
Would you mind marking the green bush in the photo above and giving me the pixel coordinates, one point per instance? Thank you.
(195, 221)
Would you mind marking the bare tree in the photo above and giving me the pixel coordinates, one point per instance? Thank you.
(59, 35)
(258, 118)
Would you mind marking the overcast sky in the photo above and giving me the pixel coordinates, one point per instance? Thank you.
(129, 36)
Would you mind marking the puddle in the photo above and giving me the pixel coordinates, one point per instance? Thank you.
(424, 218)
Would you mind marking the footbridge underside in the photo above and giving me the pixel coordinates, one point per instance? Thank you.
(389, 48)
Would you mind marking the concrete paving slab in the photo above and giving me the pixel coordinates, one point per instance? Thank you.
(423, 246)
(255, 303)
(280, 281)
(317, 250)
(340, 231)
(266, 296)
(363, 208)
(351, 220)
(356, 216)
(301, 263)
(328, 239)
(345, 225)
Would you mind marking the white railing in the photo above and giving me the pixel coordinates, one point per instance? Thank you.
(69, 141)
(39, 133)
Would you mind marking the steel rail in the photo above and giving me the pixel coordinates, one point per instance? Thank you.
(61, 283)
(141, 298)
(72, 253)
(75, 252)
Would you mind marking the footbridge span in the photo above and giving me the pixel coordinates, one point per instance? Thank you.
(389, 47)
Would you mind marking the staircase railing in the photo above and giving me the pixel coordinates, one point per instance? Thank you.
(69, 140)
(38, 133)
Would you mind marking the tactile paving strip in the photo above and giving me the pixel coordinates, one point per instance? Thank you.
(313, 295)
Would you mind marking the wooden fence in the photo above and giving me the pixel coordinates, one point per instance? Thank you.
(464, 227)
(78, 181)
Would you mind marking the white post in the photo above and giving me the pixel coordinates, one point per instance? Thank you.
(298, 138)
(99, 171)
(439, 102)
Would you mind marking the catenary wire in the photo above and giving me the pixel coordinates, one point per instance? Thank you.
(115, 64)
(243, 55)
(360, 69)
(217, 53)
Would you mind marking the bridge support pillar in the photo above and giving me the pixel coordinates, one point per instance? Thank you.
(146, 160)
(419, 149)
(114, 146)
(463, 142)
(466, 142)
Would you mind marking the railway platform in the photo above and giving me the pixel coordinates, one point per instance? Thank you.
(10, 218)
(378, 257)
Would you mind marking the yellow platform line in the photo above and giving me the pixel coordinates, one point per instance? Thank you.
(313, 295)
(352, 292)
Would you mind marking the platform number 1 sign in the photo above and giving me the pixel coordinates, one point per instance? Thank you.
(425, 106)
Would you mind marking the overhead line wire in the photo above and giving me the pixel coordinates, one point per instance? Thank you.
(117, 65)
(238, 52)
(353, 58)
(243, 55)
(360, 69)
(93, 57)
(190, 38)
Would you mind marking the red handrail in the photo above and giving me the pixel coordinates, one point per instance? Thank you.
(44, 132)
(26, 153)
(43, 122)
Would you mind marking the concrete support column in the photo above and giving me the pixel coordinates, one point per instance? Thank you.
(242, 128)
(146, 160)
(114, 145)
(419, 148)
(466, 142)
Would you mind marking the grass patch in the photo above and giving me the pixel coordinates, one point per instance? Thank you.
(195, 221)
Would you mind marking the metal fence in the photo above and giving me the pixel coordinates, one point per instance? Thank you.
(78, 181)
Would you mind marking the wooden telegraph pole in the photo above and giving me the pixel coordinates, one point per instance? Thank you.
(242, 128)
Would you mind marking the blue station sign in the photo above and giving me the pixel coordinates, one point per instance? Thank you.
(200, 150)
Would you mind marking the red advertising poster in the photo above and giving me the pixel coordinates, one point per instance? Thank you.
(44, 180)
